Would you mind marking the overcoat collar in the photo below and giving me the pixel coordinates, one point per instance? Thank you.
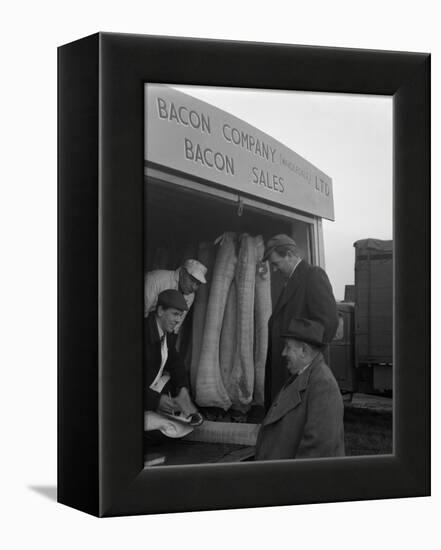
(290, 396)
(291, 286)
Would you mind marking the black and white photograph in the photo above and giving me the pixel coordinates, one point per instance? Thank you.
(268, 275)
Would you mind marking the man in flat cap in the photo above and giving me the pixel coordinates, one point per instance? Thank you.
(186, 279)
(307, 293)
(306, 418)
(165, 377)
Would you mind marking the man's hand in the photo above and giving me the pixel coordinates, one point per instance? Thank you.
(167, 404)
(184, 403)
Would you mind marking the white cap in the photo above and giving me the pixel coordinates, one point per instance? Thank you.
(196, 270)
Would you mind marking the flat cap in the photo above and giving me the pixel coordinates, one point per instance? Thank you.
(196, 270)
(172, 298)
(305, 330)
(276, 242)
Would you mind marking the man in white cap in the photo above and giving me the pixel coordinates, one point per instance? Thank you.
(186, 279)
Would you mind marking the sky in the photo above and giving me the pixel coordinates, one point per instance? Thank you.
(349, 137)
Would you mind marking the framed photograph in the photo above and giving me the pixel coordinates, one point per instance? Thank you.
(194, 162)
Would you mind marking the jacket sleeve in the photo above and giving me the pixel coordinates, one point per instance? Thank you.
(176, 368)
(178, 379)
(323, 434)
(152, 360)
(151, 399)
(321, 302)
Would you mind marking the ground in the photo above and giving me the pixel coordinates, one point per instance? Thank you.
(368, 426)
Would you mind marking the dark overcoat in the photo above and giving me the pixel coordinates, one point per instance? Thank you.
(307, 294)
(152, 363)
(306, 418)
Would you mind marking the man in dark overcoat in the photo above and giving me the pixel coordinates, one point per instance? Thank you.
(305, 419)
(307, 293)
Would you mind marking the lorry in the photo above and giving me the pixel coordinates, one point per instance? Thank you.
(361, 355)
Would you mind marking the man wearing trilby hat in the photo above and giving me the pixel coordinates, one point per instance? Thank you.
(307, 294)
(306, 418)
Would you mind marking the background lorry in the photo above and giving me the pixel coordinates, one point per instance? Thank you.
(361, 353)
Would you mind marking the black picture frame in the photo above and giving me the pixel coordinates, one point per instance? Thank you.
(100, 281)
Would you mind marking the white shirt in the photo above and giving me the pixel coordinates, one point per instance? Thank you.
(161, 379)
(303, 369)
(155, 282)
(293, 269)
(308, 365)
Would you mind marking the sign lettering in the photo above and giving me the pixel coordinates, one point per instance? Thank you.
(193, 137)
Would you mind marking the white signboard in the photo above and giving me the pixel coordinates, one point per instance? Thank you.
(195, 138)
